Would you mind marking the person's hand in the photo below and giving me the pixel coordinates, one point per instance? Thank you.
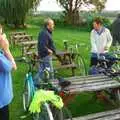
(50, 52)
(106, 48)
(14, 65)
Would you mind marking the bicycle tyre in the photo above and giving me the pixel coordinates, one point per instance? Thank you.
(61, 114)
(26, 96)
(80, 66)
(45, 114)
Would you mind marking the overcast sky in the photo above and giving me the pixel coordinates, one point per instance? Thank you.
(50, 5)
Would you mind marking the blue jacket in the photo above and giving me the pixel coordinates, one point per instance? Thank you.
(45, 41)
(6, 92)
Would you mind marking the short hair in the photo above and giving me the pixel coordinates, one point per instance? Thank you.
(46, 21)
(98, 20)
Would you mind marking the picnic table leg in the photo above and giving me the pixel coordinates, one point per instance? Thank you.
(73, 71)
(67, 98)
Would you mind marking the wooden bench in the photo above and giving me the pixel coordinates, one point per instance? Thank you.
(107, 115)
(28, 47)
(13, 34)
(22, 38)
(92, 84)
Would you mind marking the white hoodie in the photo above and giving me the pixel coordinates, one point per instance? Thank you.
(100, 42)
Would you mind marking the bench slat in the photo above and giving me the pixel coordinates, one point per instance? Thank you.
(107, 115)
(86, 78)
(91, 81)
(94, 88)
(85, 84)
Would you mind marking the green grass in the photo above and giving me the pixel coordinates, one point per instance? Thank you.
(82, 104)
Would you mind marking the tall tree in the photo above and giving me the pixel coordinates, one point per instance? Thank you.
(72, 8)
(14, 11)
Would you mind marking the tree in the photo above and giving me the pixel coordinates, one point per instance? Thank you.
(72, 8)
(14, 11)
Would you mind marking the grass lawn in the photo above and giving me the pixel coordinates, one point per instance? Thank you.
(82, 104)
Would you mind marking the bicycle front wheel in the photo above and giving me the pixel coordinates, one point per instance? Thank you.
(45, 114)
(80, 66)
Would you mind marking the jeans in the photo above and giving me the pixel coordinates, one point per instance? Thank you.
(45, 64)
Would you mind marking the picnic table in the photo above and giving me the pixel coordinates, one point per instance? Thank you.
(65, 61)
(21, 38)
(13, 34)
(94, 83)
(28, 46)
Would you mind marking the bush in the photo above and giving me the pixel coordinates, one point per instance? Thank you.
(91, 17)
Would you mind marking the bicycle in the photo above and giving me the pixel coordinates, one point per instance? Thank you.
(106, 66)
(76, 57)
(48, 111)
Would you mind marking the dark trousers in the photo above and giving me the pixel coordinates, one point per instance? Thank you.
(93, 61)
(4, 113)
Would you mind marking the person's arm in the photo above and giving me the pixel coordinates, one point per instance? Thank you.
(109, 40)
(5, 46)
(93, 43)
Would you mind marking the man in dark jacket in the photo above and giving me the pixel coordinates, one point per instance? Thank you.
(46, 46)
(116, 30)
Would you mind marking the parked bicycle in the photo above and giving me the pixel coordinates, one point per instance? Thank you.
(49, 112)
(77, 57)
(106, 65)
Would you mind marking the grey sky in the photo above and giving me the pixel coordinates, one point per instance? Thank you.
(50, 5)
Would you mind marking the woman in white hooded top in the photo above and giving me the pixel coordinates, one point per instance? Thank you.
(101, 40)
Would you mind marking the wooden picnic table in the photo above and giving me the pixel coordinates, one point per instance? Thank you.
(13, 34)
(27, 46)
(91, 83)
(22, 38)
(65, 60)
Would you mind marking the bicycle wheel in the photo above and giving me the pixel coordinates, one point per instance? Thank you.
(26, 96)
(80, 66)
(61, 114)
(45, 114)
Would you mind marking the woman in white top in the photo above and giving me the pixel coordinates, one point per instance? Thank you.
(101, 40)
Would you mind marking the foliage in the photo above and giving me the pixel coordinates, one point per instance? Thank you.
(72, 8)
(14, 11)
(106, 22)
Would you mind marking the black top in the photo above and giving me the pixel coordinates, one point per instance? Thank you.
(45, 42)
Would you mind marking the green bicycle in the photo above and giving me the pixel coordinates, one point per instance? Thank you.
(76, 57)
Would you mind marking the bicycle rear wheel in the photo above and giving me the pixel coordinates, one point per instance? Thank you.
(45, 114)
(80, 66)
(26, 96)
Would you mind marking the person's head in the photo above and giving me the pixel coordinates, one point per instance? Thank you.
(1, 31)
(97, 23)
(49, 24)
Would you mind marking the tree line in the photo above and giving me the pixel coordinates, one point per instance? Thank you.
(15, 11)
